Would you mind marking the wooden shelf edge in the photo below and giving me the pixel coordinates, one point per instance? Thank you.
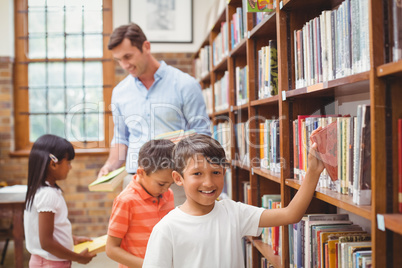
(389, 69)
(238, 164)
(222, 65)
(266, 250)
(329, 85)
(392, 222)
(336, 199)
(269, 100)
(239, 49)
(276, 177)
(271, 18)
(240, 107)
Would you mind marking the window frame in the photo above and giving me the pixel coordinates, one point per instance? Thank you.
(20, 75)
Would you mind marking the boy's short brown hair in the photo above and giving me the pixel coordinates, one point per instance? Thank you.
(198, 144)
(156, 155)
(131, 31)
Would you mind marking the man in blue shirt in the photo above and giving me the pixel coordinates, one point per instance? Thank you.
(154, 98)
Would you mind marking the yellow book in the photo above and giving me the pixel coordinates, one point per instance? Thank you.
(109, 182)
(96, 246)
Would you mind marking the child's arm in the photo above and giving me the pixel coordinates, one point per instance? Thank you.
(298, 205)
(46, 228)
(116, 253)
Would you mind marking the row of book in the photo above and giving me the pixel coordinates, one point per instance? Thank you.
(345, 148)
(220, 45)
(269, 145)
(202, 64)
(242, 143)
(222, 133)
(237, 28)
(328, 241)
(333, 45)
(242, 88)
(207, 95)
(268, 71)
(221, 93)
(272, 235)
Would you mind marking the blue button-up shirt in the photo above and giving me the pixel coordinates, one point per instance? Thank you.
(173, 102)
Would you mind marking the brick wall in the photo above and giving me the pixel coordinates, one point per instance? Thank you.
(88, 211)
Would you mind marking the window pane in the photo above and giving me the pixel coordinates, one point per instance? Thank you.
(55, 20)
(56, 74)
(75, 127)
(74, 46)
(56, 100)
(36, 2)
(93, 46)
(73, 20)
(37, 47)
(55, 46)
(56, 125)
(93, 74)
(94, 95)
(36, 20)
(75, 97)
(37, 75)
(94, 127)
(37, 127)
(74, 72)
(55, 3)
(91, 21)
(37, 101)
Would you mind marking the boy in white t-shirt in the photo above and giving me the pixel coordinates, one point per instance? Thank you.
(204, 232)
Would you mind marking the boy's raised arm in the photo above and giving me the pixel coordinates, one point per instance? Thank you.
(298, 205)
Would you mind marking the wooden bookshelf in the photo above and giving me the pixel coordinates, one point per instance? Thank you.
(381, 83)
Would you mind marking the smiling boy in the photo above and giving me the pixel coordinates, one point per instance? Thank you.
(141, 204)
(204, 232)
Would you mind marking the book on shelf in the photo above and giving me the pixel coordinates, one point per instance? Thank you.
(260, 6)
(109, 182)
(97, 245)
(397, 30)
(176, 136)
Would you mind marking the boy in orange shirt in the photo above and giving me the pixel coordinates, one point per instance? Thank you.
(141, 204)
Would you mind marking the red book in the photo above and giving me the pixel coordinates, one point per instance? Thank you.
(326, 140)
(400, 163)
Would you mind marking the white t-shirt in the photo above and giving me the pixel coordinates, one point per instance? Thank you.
(212, 240)
(48, 199)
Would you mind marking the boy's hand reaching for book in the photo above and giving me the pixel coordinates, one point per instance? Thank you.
(314, 161)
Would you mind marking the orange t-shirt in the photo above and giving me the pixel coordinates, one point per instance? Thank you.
(134, 214)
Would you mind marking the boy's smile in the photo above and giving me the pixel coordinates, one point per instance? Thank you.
(203, 183)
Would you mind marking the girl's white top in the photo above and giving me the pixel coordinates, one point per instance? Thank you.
(48, 199)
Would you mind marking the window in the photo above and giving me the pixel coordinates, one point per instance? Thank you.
(63, 71)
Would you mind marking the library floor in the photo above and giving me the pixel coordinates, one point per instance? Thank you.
(101, 260)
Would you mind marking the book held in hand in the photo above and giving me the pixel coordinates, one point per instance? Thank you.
(109, 182)
(326, 140)
(97, 245)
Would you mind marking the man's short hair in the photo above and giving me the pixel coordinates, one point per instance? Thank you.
(156, 155)
(198, 144)
(131, 31)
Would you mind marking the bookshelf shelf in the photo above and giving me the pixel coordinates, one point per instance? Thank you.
(239, 49)
(206, 78)
(217, 113)
(353, 84)
(221, 66)
(266, 251)
(336, 199)
(267, 27)
(392, 68)
(380, 86)
(276, 177)
(393, 222)
(238, 164)
(270, 100)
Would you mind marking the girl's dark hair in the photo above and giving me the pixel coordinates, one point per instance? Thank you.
(156, 155)
(198, 144)
(39, 160)
(131, 31)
